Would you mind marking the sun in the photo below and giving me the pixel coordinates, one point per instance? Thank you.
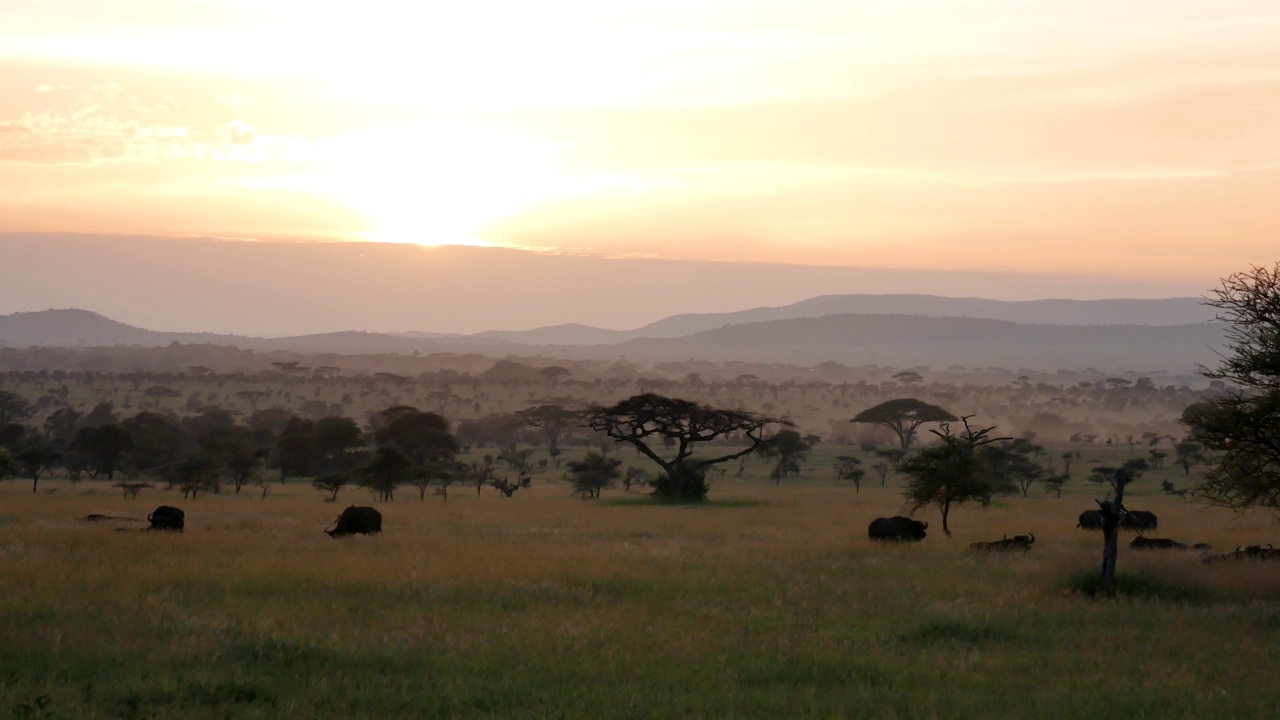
(440, 185)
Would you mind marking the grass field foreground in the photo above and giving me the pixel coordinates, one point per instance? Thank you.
(543, 605)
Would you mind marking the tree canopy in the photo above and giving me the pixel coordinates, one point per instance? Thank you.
(651, 423)
(959, 469)
(1241, 427)
(903, 417)
(552, 420)
(14, 408)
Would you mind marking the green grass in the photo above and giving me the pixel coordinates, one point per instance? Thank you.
(546, 606)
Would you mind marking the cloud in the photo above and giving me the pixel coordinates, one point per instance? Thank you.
(240, 132)
(104, 124)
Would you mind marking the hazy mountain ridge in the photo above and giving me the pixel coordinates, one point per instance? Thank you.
(275, 289)
(73, 327)
(970, 342)
(1125, 311)
(899, 340)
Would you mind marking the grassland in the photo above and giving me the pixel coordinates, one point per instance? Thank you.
(772, 604)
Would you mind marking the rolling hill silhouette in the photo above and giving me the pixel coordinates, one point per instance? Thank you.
(889, 339)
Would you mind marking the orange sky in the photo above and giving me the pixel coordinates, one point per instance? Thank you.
(1127, 138)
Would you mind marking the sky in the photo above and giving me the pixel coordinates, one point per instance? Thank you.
(1131, 139)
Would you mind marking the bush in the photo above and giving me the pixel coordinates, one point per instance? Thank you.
(695, 487)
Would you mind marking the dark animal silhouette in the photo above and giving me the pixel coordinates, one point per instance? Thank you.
(1090, 520)
(166, 517)
(1140, 520)
(99, 517)
(357, 520)
(897, 529)
(1146, 543)
(1251, 552)
(1020, 543)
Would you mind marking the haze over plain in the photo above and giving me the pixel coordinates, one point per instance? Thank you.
(996, 149)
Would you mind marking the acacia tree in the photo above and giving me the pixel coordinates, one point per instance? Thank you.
(385, 471)
(954, 471)
(1241, 427)
(331, 483)
(1016, 460)
(789, 449)
(552, 420)
(423, 437)
(102, 447)
(592, 474)
(850, 468)
(36, 461)
(650, 422)
(1188, 454)
(903, 417)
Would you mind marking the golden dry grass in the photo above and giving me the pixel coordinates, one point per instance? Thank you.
(543, 605)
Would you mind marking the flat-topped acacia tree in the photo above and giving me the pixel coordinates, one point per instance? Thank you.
(656, 425)
(904, 416)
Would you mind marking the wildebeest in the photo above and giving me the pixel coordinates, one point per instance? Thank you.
(1017, 542)
(166, 517)
(357, 520)
(897, 529)
(1090, 520)
(1140, 520)
(1146, 543)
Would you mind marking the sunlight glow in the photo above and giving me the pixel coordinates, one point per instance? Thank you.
(444, 184)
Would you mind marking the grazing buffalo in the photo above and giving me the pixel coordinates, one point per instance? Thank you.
(897, 529)
(166, 517)
(1146, 543)
(1140, 520)
(357, 520)
(1090, 520)
(1017, 542)
(1252, 552)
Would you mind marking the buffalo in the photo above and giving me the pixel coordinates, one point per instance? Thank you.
(897, 529)
(357, 520)
(166, 517)
(1252, 552)
(1090, 520)
(1140, 520)
(1021, 543)
(1146, 543)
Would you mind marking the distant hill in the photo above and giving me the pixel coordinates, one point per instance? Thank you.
(852, 339)
(77, 328)
(1168, 311)
(905, 340)
(570, 334)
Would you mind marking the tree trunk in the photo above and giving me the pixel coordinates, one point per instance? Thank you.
(946, 510)
(676, 475)
(1112, 513)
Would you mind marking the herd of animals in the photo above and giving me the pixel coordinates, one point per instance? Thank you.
(905, 529)
(359, 520)
(353, 521)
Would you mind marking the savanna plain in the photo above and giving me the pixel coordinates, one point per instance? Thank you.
(768, 601)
